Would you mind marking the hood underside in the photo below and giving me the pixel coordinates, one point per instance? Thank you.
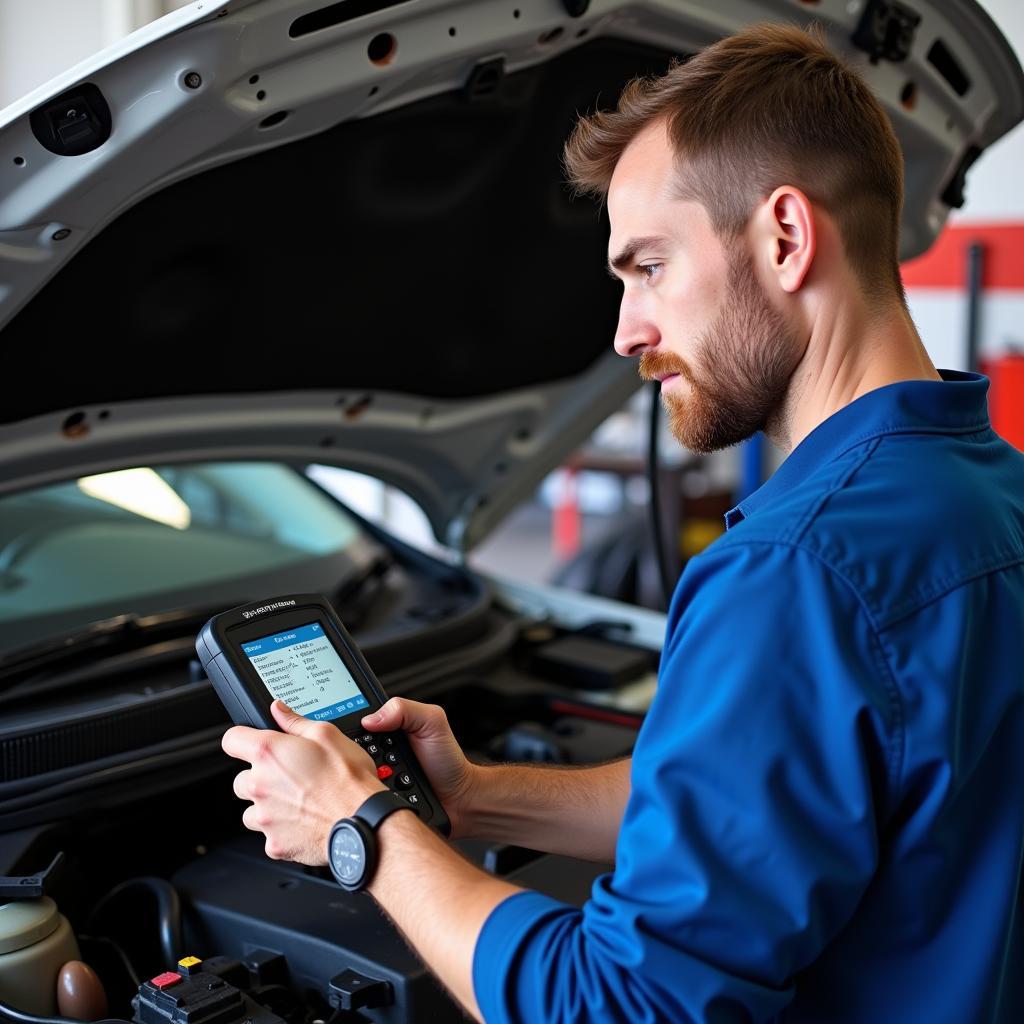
(340, 233)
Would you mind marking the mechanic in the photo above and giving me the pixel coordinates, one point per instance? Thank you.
(823, 818)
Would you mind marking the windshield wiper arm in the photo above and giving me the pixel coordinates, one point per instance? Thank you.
(123, 632)
(119, 633)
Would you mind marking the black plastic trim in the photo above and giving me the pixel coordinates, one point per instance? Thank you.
(941, 58)
(338, 14)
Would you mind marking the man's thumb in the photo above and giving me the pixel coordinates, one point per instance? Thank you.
(424, 720)
(388, 716)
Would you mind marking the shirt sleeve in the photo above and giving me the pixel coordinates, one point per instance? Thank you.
(750, 833)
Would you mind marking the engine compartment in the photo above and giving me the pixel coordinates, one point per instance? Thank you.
(159, 868)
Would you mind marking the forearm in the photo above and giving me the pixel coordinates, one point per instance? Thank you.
(437, 899)
(572, 811)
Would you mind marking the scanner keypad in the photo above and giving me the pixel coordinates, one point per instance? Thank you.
(382, 748)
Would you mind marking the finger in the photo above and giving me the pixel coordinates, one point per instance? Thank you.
(243, 785)
(285, 717)
(290, 722)
(245, 743)
(424, 720)
(252, 819)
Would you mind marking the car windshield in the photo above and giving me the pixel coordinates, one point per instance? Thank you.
(151, 539)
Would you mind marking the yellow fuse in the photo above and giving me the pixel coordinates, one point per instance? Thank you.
(188, 963)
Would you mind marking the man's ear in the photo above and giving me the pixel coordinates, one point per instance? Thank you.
(785, 230)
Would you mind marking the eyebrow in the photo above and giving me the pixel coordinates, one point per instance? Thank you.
(629, 252)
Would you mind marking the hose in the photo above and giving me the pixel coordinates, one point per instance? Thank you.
(168, 906)
(13, 1016)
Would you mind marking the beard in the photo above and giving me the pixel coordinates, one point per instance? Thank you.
(741, 369)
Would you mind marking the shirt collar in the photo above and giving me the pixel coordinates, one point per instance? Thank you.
(955, 405)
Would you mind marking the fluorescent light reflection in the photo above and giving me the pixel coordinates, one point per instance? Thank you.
(142, 491)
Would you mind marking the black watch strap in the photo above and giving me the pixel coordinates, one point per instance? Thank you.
(374, 810)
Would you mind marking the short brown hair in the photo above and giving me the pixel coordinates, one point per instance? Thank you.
(770, 106)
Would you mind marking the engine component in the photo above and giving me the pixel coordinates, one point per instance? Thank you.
(200, 992)
(238, 902)
(568, 740)
(351, 990)
(528, 741)
(168, 910)
(589, 663)
(35, 941)
(30, 887)
(80, 993)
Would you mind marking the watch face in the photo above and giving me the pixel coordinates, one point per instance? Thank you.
(348, 854)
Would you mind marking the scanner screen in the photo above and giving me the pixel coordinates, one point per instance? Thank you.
(301, 667)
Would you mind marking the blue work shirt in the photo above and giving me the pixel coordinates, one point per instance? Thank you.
(826, 820)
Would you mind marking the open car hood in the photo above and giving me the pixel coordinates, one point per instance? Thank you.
(338, 233)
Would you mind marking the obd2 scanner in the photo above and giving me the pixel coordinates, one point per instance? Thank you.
(295, 649)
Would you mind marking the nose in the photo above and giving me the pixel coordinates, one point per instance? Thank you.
(635, 333)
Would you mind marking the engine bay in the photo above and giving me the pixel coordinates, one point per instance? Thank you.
(176, 909)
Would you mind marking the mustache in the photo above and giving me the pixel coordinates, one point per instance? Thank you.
(655, 364)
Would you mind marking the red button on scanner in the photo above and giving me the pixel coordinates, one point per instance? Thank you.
(165, 980)
(384, 772)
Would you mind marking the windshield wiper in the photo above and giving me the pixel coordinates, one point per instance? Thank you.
(122, 633)
(119, 633)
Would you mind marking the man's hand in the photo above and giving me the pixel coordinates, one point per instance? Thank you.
(451, 775)
(301, 782)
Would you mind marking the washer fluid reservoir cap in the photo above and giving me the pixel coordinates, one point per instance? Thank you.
(26, 922)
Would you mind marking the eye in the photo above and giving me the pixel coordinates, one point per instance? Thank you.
(648, 271)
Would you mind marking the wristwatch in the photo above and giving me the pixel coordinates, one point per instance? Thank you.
(352, 846)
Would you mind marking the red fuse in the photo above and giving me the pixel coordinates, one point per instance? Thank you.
(165, 980)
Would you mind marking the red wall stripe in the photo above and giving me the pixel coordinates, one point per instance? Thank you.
(945, 264)
(1004, 402)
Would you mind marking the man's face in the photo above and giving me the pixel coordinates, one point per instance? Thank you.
(693, 309)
